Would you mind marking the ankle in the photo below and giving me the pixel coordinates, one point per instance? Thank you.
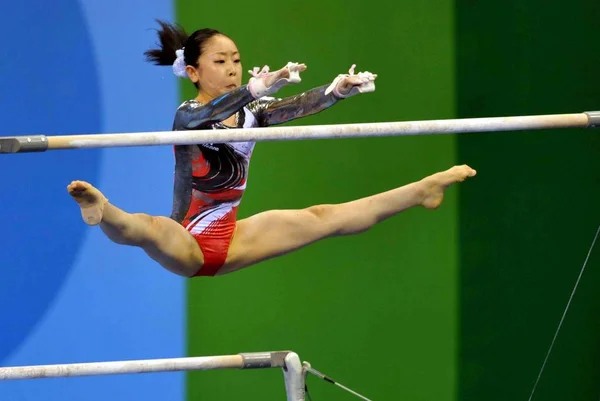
(421, 189)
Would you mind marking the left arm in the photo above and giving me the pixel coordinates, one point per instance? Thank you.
(277, 111)
(272, 111)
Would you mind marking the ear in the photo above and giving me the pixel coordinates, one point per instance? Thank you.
(192, 73)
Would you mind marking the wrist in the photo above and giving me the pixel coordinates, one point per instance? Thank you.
(333, 88)
(257, 87)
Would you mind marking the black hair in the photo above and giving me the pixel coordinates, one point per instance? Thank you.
(172, 38)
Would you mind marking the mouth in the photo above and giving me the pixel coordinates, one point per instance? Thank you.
(232, 86)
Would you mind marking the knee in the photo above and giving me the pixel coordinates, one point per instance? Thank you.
(153, 228)
(341, 219)
(324, 217)
(322, 213)
(140, 231)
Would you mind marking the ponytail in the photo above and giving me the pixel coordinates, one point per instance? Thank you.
(172, 38)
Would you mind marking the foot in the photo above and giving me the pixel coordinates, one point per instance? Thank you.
(90, 200)
(435, 185)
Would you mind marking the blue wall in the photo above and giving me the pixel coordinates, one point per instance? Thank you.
(67, 293)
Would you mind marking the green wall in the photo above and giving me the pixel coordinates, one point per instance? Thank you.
(460, 303)
(376, 311)
(527, 224)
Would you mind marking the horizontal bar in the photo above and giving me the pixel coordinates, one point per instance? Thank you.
(39, 143)
(241, 361)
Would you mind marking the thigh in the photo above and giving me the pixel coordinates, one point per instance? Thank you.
(174, 247)
(275, 233)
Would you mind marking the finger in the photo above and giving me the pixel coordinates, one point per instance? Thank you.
(298, 66)
(355, 80)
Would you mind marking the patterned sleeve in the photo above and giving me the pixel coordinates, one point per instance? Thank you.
(271, 111)
(192, 115)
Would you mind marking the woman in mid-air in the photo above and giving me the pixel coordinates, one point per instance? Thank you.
(203, 237)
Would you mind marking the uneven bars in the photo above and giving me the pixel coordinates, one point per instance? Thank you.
(259, 360)
(41, 143)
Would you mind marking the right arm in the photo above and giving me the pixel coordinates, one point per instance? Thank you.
(191, 116)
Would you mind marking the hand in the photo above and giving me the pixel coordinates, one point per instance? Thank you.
(265, 83)
(346, 85)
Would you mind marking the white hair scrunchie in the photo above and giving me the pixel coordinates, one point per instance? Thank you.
(179, 64)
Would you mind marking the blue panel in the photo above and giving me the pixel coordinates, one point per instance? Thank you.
(50, 85)
(75, 296)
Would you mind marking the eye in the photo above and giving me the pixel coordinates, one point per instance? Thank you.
(220, 61)
(237, 61)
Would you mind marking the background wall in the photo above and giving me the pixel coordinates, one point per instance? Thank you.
(528, 222)
(67, 293)
(377, 311)
(460, 303)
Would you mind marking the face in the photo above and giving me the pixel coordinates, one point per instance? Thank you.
(219, 67)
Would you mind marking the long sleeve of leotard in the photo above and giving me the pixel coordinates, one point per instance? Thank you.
(182, 184)
(190, 116)
(271, 111)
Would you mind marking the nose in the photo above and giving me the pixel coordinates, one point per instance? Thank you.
(232, 70)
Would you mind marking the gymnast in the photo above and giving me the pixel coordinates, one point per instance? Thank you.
(202, 236)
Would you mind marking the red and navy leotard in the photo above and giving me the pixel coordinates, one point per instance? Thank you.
(210, 179)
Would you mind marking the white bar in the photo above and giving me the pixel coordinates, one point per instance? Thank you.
(294, 377)
(455, 126)
(123, 367)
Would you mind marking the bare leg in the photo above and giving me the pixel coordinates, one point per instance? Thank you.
(165, 241)
(277, 232)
